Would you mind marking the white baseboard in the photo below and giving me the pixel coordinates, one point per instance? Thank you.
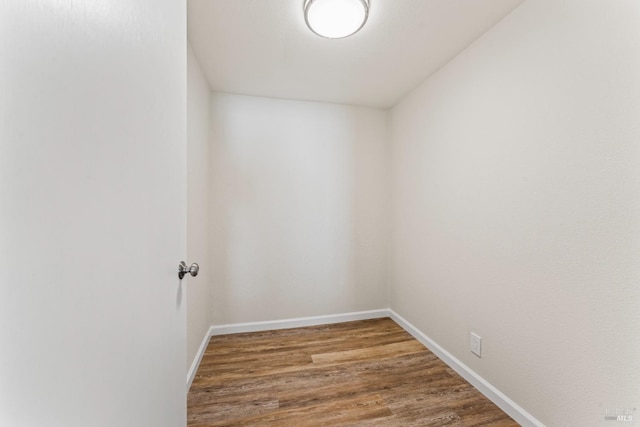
(196, 361)
(514, 410)
(297, 322)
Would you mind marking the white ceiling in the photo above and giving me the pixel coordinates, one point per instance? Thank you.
(263, 48)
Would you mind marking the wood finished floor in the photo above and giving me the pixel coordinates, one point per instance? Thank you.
(364, 373)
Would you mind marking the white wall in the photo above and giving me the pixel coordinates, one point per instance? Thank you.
(92, 213)
(516, 208)
(198, 289)
(299, 197)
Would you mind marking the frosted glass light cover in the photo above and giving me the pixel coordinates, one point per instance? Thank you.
(335, 19)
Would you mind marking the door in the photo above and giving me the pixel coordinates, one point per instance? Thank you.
(92, 212)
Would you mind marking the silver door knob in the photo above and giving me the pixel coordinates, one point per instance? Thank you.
(183, 269)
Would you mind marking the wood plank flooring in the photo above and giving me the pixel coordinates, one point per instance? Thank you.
(364, 373)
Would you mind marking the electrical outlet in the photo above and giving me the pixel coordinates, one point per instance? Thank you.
(476, 344)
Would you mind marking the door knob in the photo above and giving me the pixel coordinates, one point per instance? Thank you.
(183, 269)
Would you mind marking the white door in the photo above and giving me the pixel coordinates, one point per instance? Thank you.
(92, 212)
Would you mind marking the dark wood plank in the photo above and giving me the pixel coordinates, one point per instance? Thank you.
(365, 373)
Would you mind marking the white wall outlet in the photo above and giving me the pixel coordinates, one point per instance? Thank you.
(476, 344)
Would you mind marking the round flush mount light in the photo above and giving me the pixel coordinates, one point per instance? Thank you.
(336, 19)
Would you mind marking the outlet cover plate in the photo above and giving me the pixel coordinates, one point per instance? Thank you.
(476, 344)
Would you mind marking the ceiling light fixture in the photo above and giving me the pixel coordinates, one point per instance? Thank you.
(336, 19)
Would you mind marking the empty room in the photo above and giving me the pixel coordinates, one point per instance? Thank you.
(320, 213)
